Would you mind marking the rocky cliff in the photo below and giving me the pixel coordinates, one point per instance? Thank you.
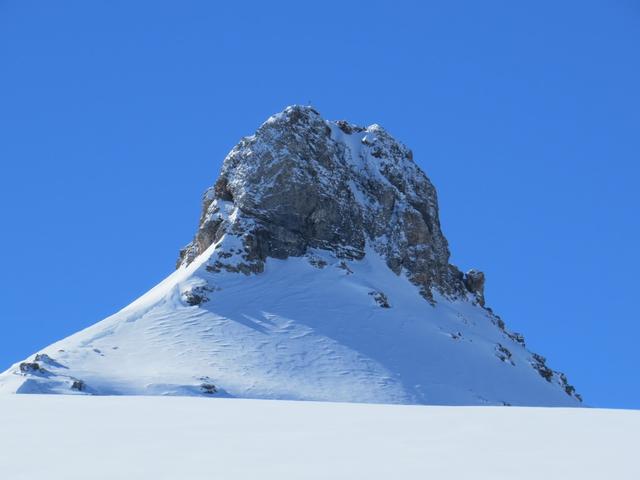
(301, 182)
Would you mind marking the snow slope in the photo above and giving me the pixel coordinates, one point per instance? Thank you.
(295, 331)
(155, 438)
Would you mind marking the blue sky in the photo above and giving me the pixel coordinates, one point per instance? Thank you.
(116, 115)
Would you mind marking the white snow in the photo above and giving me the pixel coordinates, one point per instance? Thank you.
(295, 332)
(155, 438)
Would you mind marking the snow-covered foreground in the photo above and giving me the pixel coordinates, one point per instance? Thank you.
(81, 437)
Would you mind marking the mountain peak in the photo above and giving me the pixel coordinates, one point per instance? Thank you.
(318, 272)
(302, 182)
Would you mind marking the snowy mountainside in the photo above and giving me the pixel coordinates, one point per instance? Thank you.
(318, 272)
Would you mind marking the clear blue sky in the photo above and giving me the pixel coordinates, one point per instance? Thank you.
(116, 115)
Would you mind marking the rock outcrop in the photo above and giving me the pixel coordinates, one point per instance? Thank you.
(474, 281)
(302, 182)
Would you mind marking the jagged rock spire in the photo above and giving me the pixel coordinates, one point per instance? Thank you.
(302, 182)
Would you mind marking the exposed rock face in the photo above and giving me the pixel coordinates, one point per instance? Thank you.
(78, 385)
(302, 182)
(30, 367)
(474, 281)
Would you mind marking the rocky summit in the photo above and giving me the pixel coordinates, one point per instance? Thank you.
(318, 271)
(301, 182)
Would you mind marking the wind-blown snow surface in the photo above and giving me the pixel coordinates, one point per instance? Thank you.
(155, 438)
(295, 331)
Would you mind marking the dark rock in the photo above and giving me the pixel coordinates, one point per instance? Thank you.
(196, 295)
(30, 367)
(569, 389)
(380, 298)
(516, 337)
(474, 281)
(317, 262)
(539, 363)
(208, 388)
(222, 190)
(345, 127)
(504, 354)
(78, 385)
(343, 266)
(497, 321)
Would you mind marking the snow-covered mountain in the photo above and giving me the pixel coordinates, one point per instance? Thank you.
(318, 272)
